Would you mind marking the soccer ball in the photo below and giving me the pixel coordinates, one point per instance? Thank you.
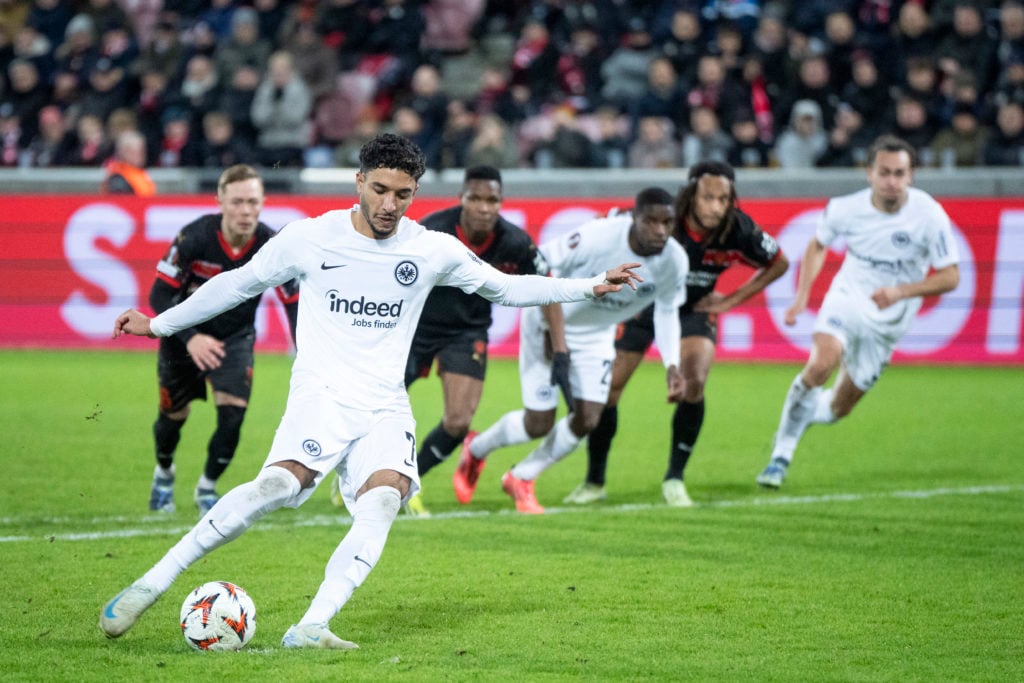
(218, 616)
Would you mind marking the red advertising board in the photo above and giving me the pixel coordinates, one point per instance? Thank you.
(70, 264)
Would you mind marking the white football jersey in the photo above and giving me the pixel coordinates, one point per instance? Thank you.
(884, 250)
(606, 240)
(360, 299)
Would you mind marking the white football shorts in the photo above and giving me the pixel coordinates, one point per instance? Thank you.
(868, 343)
(590, 364)
(327, 436)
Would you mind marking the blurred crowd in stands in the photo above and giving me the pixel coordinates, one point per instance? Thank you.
(532, 83)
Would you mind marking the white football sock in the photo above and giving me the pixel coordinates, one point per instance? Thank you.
(509, 430)
(822, 413)
(357, 553)
(559, 443)
(233, 514)
(166, 473)
(206, 483)
(796, 415)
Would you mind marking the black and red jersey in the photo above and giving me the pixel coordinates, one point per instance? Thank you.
(746, 243)
(199, 252)
(449, 310)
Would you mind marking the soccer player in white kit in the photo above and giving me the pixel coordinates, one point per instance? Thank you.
(364, 275)
(893, 233)
(643, 235)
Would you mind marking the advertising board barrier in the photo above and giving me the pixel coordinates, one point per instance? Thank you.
(71, 264)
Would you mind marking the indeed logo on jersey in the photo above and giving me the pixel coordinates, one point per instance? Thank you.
(372, 310)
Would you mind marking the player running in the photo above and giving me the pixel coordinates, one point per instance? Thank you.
(644, 235)
(893, 233)
(218, 351)
(716, 235)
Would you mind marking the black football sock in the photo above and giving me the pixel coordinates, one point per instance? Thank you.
(166, 434)
(599, 443)
(436, 448)
(224, 440)
(686, 424)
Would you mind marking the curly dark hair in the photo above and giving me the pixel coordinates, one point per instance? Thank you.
(685, 198)
(392, 151)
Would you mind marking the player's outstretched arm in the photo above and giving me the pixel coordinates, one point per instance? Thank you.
(132, 322)
(618, 276)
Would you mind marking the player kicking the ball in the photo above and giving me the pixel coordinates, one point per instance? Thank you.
(364, 275)
(893, 234)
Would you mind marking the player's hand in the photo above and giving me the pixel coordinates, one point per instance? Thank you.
(793, 311)
(206, 351)
(886, 296)
(676, 384)
(132, 322)
(618, 276)
(560, 376)
(712, 302)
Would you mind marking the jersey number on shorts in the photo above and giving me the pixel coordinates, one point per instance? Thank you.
(411, 460)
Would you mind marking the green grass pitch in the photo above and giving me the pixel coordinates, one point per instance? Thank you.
(894, 552)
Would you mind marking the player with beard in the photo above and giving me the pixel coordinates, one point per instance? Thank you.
(364, 274)
(716, 235)
(453, 327)
(218, 351)
(643, 235)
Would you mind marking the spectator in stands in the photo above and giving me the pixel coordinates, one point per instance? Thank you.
(493, 145)
(281, 114)
(13, 14)
(387, 42)
(459, 131)
(316, 63)
(803, 142)
(26, 94)
(105, 14)
(164, 53)
(50, 145)
(664, 95)
(244, 47)
(1005, 146)
(971, 45)
(34, 47)
(236, 100)
(219, 147)
(683, 44)
(1011, 32)
(1010, 86)
(144, 16)
(428, 100)
(610, 132)
(962, 143)
(90, 147)
(149, 106)
(448, 25)
(119, 121)
(868, 94)
(535, 61)
(108, 89)
(848, 141)
(50, 18)
(10, 136)
(497, 96)
(770, 45)
(270, 18)
(922, 84)
(66, 93)
(78, 51)
(714, 91)
(408, 123)
(913, 124)
(219, 16)
(731, 46)
(335, 19)
(705, 141)
(840, 44)
(655, 145)
(579, 67)
(118, 45)
(346, 155)
(813, 83)
(126, 170)
(178, 146)
(199, 91)
(748, 149)
(915, 37)
(625, 71)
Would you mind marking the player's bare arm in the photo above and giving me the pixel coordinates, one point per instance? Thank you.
(715, 302)
(618, 276)
(132, 322)
(941, 281)
(810, 267)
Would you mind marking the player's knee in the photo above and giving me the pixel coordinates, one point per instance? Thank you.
(229, 420)
(538, 424)
(379, 504)
(693, 391)
(275, 487)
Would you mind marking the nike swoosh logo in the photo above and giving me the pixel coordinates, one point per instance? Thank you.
(359, 559)
(109, 611)
(324, 266)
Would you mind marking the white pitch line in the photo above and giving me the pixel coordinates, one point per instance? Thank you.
(341, 520)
